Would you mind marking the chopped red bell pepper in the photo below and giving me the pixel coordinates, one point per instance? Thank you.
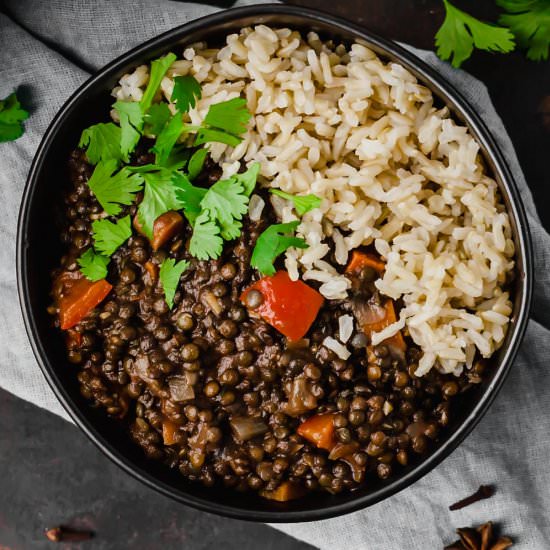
(79, 298)
(319, 429)
(289, 306)
(286, 491)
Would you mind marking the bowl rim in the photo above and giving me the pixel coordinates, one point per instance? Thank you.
(436, 82)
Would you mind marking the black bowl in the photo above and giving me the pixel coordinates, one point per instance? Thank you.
(38, 250)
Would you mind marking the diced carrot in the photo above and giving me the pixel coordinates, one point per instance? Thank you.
(286, 491)
(289, 306)
(77, 302)
(360, 260)
(319, 430)
(169, 431)
(165, 227)
(378, 323)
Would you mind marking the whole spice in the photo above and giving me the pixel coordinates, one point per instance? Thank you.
(484, 491)
(64, 534)
(480, 538)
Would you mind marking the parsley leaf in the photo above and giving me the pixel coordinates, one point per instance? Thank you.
(206, 135)
(131, 125)
(226, 205)
(109, 236)
(231, 116)
(529, 20)
(460, 32)
(186, 91)
(93, 266)
(159, 67)
(196, 162)
(205, 242)
(102, 142)
(112, 190)
(167, 139)
(156, 117)
(248, 179)
(189, 196)
(272, 243)
(11, 117)
(169, 275)
(160, 196)
(302, 203)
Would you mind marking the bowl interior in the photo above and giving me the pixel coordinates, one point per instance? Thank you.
(39, 251)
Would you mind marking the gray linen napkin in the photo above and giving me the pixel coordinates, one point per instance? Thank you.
(48, 49)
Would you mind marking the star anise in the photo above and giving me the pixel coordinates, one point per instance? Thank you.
(481, 538)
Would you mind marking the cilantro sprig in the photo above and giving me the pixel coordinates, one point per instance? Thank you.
(169, 275)
(529, 20)
(11, 118)
(109, 236)
(302, 203)
(93, 265)
(460, 32)
(275, 240)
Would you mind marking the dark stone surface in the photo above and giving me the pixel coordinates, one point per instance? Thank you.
(51, 474)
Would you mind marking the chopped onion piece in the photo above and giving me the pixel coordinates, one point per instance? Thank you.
(255, 207)
(336, 347)
(211, 302)
(180, 389)
(246, 428)
(345, 327)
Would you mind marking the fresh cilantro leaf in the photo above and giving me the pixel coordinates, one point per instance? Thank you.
(109, 236)
(112, 190)
(160, 196)
(186, 91)
(131, 125)
(207, 135)
(11, 117)
(167, 139)
(102, 142)
(302, 203)
(272, 243)
(248, 179)
(226, 205)
(93, 266)
(189, 196)
(178, 157)
(156, 117)
(159, 67)
(460, 32)
(169, 275)
(194, 168)
(529, 21)
(205, 242)
(231, 116)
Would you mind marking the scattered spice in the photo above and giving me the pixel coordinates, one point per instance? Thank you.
(484, 491)
(481, 538)
(63, 534)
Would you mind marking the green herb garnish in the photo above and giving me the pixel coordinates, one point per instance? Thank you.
(189, 196)
(102, 142)
(196, 163)
(275, 240)
(109, 236)
(160, 195)
(93, 266)
(113, 190)
(156, 117)
(529, 20)
(167, 139)
(186, 91)
(131, 126)
(11, 118)
(302, 203)
(159, 67)
(205, 242)
(169, 275)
